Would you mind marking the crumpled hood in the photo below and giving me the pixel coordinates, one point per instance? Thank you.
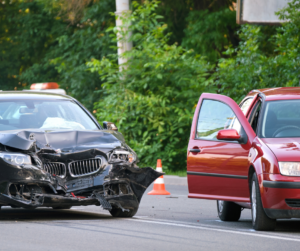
(65, 140)
(285, 149)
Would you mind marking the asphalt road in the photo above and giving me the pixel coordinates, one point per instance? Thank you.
(162, 223)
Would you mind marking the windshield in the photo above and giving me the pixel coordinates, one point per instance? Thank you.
(41, 114)
(281, 119)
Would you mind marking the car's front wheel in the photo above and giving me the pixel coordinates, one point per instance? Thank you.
(118, 212)
(228, 211)
(260, 221)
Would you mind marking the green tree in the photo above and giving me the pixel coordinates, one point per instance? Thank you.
(153, 99)
(76, 44)
(51, 40)
(27, 32)
(180, 14)
(266, 57)
(211, 33)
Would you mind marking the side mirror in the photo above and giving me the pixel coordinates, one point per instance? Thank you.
(228, 134)
(109, 126)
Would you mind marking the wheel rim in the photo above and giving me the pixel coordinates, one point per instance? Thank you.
(220, 205)
(253, 199)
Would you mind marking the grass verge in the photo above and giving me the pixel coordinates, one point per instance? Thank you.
(181, 173)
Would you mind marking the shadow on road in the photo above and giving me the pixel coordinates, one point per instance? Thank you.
(288, 226)
(283, 225)
(45, 214)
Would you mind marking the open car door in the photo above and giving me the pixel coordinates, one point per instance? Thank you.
(219, 145)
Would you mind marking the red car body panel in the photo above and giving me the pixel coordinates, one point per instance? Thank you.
(211, 160)
(222, 170)
(285, 149)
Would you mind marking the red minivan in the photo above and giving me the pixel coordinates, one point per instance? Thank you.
(248, 155)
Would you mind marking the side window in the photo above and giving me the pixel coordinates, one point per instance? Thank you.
(255, 115)
(215, 116)
(245, 105)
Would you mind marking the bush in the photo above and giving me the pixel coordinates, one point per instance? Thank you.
(153, 99)
(266, 57)
(210, 33)
(27, 31)
(73, 45)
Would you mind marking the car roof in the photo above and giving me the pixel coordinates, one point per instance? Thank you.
(278, 93)
(7, 95)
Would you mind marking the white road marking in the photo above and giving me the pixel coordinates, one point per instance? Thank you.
(250, 232)
(215, 229)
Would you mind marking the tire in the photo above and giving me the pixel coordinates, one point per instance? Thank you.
(57, 208)
(118, 212)
(260, 221)
(228, 211)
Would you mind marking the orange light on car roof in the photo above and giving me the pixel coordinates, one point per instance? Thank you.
(43, 86)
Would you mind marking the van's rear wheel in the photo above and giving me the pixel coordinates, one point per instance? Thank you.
(228, 211)
(260, 221)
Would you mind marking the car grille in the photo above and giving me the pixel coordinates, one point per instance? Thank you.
(293, 202)
(84, 167)
(56, 168)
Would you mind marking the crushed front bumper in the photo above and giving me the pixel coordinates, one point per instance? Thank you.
(116, 186)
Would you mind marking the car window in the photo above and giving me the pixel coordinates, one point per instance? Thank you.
(245, 105)
(215, 116)
(50, 115)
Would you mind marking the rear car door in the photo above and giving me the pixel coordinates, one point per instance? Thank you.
(218, 169)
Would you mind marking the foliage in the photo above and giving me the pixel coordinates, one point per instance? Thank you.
(38, 46)
(210, 33)
(256, 64)
(153, 99)
(51, 40)
(26, 34)
(71, 11)
(207, 26)
(72, 49)
(186, 15)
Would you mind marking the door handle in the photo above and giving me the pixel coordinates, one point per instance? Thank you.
(195, 150)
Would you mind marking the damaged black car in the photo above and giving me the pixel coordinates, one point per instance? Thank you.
(53, 153)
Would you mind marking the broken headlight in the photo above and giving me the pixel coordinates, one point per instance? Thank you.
(16, 159)
(121, 155)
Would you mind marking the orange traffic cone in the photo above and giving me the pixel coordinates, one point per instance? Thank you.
(159, 184)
